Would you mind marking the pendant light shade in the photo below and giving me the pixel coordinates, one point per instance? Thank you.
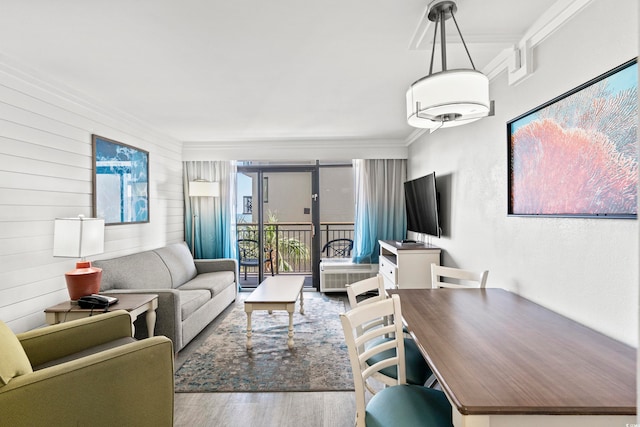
(450, 97)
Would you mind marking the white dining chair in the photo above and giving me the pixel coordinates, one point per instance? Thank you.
(399, 404)
(418, 371)
(457, 278)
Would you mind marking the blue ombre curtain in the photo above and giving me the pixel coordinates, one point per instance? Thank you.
(215, 228)
(379, 194)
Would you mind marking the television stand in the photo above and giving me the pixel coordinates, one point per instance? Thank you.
(407, 265)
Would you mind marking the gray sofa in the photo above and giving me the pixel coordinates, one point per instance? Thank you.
(191, 293)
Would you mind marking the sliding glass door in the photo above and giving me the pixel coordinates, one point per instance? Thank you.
(275, 213)
(286, 216)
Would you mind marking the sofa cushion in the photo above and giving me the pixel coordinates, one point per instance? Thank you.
(192, 300)
(144, 270)
(214, 282)
(179, 261)
(14, 361)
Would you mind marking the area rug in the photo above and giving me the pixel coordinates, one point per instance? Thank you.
(319, 360)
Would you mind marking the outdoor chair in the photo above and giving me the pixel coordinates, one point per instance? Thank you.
(400, 404)
(417, 369)
(248, 251)
(338, 248)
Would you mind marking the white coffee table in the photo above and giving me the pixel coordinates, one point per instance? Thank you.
(275, 293)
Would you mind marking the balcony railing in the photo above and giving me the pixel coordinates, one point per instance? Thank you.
(291, 242)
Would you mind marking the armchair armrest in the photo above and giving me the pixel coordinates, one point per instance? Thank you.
(127, 385)
(57, 341)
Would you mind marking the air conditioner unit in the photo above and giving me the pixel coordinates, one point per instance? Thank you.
(335, 273)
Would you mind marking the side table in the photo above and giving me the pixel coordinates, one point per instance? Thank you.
(135, 304)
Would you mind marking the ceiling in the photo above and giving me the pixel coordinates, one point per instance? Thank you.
(250, 70)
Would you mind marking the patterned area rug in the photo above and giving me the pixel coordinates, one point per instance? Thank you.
(319, 360)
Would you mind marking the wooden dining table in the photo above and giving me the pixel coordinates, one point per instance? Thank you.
(503, 360)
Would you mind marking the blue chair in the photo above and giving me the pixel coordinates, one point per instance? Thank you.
(398, 405)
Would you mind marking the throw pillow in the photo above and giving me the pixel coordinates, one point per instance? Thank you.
(14, 361)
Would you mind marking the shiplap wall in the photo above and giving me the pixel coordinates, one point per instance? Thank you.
(46, 173)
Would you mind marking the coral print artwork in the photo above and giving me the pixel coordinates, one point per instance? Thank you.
(578, 154)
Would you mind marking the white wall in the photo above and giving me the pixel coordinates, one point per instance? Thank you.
(46, 173)
(586, 269)
(337, 199)
(289, 195)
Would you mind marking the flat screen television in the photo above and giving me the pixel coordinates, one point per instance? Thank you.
(421, 203)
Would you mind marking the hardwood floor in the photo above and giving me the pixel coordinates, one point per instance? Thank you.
(310, 409)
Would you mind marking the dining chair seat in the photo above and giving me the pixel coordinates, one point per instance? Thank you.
(398, 404)
(408, 406)
(418, 371)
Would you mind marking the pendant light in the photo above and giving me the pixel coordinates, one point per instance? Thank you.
(450, 97)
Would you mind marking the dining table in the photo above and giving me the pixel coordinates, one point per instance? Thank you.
(504, 360)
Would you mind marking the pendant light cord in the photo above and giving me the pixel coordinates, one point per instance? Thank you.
(440, 20)
(433, 47)
(462, 38)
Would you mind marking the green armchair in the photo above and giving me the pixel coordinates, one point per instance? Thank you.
(86, 372)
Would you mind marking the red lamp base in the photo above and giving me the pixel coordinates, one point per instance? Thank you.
(84, 280)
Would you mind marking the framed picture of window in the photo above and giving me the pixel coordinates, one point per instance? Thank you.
(120, 182)
(577, 155)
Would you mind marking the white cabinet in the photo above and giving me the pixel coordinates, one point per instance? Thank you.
(407, 265)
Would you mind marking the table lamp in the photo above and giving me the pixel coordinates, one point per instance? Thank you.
(78, 238)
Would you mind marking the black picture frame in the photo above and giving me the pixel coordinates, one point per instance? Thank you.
(120, 182)
(577, 154)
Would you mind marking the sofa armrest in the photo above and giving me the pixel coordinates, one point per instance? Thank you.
(222, 264)
(127, 385)
(57, 341)
(168, 314)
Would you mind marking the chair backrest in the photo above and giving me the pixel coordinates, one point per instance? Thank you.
(357, 291)
(458, 278)
(338, 248)
(360, 352)
(247, 249)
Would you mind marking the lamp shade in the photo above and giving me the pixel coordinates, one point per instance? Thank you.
(201, 188)
(78, 237)
(448, 98)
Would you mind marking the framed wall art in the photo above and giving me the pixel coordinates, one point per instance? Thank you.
(577, 155)
(120, 182)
